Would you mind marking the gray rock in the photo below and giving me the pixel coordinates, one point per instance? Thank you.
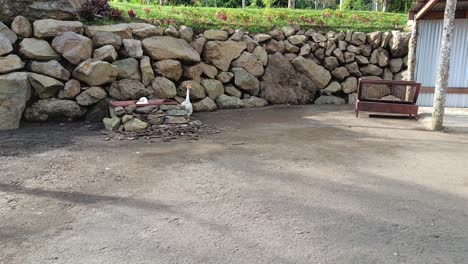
(305, 50)
(250, 63)
(44, 86)
(129, 117)
(288, 47)
(339, 55)
(282, 84)
(5, 45)
(399, 43)
(163, 88)
(128, 69)
(186, 33)
(21, 27)
(277, 34)
(97, 112)
(177, 112)
(164, 47)
(340, 73)
(387, 75)
(288, 31)
(353, 69)
(380, 57)
(352, 98)
(122, 30)
(316, 73)
(374, 39)
(10, 35)
(54, 109)
(349, 57)
(213, 34)
(15, 91)
(332, 88)
(329, 99)
(361, 60)
(38, 9)
(91, 96)
(358, 38)
(209, 70)
(386, 37)
(105, 53)
(232, 91)
(225, 77)
(176, 119)
(147, 73)
(349, 85)
(198, 44)
(37, 49)
(319, 37)
(74, 47)
(10, 63)
(371, 69)
(396, 64)
(95, 72)
(101, 39)
(222, 53)
(297, 39)
(144, 30)
(46, 28)
(135, 124)
(50, 68)
(193, 72)
(261, 37)
(132, 48)
(245, 81)
(171, 31)
(71, 90)
(111, 124)
(403, 75)
(366, 50)
(205, 105)
(170, 69)
(119, 111)
(225, 102)
(254, 101)
(213, 88)
(275, 46)
(330, 63)
(128, 90)
(146, 109)
(354, 49)
(197, 91)
(261, 55)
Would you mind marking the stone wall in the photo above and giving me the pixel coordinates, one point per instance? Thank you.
(63, 70)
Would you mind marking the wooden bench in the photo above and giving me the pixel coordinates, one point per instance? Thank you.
(391, 97)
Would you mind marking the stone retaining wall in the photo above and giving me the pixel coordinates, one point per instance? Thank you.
(63, 70)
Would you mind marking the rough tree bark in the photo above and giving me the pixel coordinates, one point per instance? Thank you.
(440, 92)
(243, 3)
(292, 4)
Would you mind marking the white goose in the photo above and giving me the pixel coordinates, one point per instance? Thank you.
(187, 104)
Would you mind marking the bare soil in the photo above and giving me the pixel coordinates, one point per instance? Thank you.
(299, 184)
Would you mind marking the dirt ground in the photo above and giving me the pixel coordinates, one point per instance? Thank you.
(302, 184)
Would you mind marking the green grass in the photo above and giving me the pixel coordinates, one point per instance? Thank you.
(257, 20)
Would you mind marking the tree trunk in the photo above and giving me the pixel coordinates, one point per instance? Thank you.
(292, 4)
(215, 3)
(341, 5)
(243, 3)
(161, 2)
(440, 92)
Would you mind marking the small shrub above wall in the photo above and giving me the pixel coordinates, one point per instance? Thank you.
(63, 70)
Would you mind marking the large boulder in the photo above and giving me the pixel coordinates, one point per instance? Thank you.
(198, 44)
(91, 96)
(132, 48)
(122, 30)
(281, 84)
(128, 90)
(95, 72)
(10, 63)
(253, 101)
(225, 77)
(105, 53)
(163, 88)
(44, 86)
(39, 9)
(214, 34)
(193, 72)
(128, 69)
(37, 49)
(22, 27)
(250, 63)
(349, 85)
(54, 109)
(316, 73)
(171, 69)
(15, 91)
(245, 81)
(164, 47)
(50, 68)
(380, 57)
(371, 69)
(186, 33)
(8, 33)
(45, 28)
(74, 47)
(221, 53)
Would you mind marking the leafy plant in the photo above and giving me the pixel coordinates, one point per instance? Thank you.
(93, 9)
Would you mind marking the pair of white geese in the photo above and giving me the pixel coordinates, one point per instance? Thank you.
(186, 104)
